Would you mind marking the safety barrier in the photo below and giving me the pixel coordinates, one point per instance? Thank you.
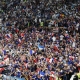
(4, 77)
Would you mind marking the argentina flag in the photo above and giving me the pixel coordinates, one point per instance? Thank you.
(41, 47)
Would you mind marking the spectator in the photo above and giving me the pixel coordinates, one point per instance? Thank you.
(32, 49)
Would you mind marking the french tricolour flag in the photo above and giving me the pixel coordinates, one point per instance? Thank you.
(32, 52)
(8, 36)
(4, 52)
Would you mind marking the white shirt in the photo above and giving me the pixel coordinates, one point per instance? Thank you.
(54, 38)
(73, 44)
(61, 37)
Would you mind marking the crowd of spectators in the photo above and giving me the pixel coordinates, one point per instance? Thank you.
(32, 38)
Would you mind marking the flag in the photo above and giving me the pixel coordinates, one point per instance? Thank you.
(41, 73)
(31, 52)
(40, 47)
(4, 52)
(8, 36)
(20, 40)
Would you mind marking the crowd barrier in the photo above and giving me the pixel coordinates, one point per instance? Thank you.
(4, 77)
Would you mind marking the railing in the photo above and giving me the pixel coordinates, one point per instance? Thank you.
(4, 77)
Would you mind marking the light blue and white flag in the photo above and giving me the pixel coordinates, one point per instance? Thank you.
(40, 47)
